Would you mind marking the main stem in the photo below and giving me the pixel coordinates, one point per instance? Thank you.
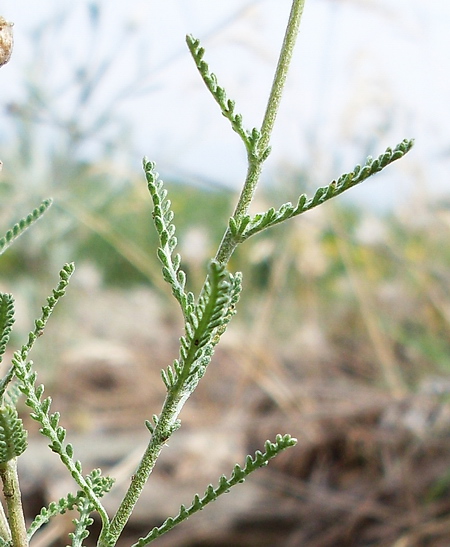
(11, 491)
(257, 157)
(170, 411)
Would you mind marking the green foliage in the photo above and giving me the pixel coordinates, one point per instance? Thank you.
(203, 329)
(39, 324)
(211, 494)
(19, 228)
(13, 436)
(55, 508)
(64, 277)
(50, 427)
(162, 217)
(6, 320)
(247, 226)
(100, 486)
(250, 138)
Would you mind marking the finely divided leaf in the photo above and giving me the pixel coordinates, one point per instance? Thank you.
(238, 475)
(6, 320)
(23, 224)
(13, 436)
(359, 174)
(203, 328)
(162, 218)
(250, 138)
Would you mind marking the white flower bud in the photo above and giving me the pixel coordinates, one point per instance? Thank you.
(6, 40)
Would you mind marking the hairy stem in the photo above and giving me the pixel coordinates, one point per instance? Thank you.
(257, 158)
(175, 401)
(279, 80)
(166, 424)
(5, 532)
(11, 491)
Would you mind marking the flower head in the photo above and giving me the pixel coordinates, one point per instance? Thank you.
(6, 40)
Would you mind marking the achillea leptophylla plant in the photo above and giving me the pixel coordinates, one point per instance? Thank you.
(206, 317)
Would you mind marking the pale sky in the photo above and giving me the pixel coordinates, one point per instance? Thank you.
(366, 74)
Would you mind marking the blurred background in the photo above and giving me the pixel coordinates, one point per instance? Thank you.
(342, 335)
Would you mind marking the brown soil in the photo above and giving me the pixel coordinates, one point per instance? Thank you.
(370, 468)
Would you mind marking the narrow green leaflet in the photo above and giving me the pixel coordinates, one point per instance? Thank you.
(162, 217)
(211, 494)
(203, 327)
(55, 508)
(23, 224)
(250, 138)
(13, 436)
(251, 225)
(100, 484)
(51, 429)
(39, 325)
(6, 320)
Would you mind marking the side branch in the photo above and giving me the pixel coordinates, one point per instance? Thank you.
(249, 226)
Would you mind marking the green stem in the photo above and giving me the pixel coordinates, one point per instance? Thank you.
(257, 158)
(166, 424)
(5, 532)
(175, 401)
(11, 491)
(228, 244)
(279, 80)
